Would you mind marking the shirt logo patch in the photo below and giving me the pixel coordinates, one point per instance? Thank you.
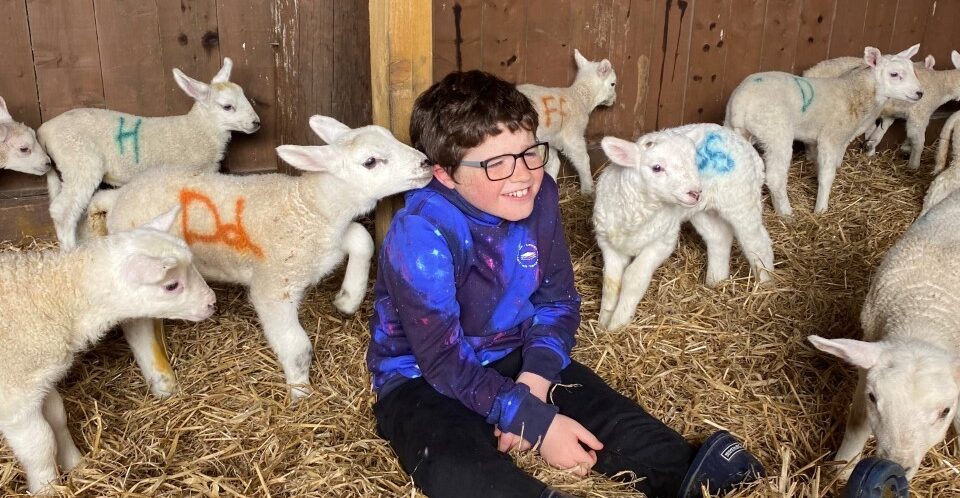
(528, 256)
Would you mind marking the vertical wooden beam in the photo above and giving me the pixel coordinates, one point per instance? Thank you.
(401, 67)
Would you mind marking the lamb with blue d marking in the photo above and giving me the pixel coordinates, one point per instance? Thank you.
(703, 173)
(777, 108)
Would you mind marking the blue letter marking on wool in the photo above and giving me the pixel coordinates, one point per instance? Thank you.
(806, 92)
(132, 134)
(711, 156)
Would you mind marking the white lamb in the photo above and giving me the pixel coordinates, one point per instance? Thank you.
(909, 360)
(939, 87)
(94, 145)
(777, 108)
(19, 150)
(276, 234)
(564, 113)
(61, 302)
(703, 173)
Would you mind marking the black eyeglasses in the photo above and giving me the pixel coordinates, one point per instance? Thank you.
(502, 167)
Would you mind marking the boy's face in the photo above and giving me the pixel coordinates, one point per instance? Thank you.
(510, 198)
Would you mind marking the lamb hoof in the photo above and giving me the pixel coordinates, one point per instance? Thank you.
(69, 458)
(347, 304)
(300, 392)
(164, 387)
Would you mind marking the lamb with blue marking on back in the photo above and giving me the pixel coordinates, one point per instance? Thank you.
(94, 145)
(777, 108)
(702, 173)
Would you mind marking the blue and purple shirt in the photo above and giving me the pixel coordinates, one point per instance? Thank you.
(458, 288)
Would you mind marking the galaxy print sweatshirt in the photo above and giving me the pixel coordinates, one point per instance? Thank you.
(458, 288)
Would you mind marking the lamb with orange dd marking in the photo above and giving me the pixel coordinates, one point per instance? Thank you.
(565, 112)
(276, 234)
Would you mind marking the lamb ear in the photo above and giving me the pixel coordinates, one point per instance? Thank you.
(955, 58)
(197, 90)
(910, 52)
(604, 68)
(5, 116)
(309, 157)
(871, 56)
(147, 270)
(580, 59)
(164, 222)
(858, 353)
(929, 62)
(223, 75)
(621, 151)
(327, 128)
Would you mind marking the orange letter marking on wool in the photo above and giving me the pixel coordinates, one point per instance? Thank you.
(231, 234)
(547, 110)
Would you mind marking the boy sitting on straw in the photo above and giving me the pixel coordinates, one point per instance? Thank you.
(475, 316)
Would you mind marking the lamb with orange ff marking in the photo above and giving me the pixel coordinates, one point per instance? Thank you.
(565, 112)
(276, 234)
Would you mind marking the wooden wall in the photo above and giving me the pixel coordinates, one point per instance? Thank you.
(293, 59)
(677, 61)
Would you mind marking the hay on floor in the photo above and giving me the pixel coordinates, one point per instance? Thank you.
(734, 357)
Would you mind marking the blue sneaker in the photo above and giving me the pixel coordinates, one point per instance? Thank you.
(721, 463)
(877, 478)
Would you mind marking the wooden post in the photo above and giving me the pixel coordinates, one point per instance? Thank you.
(401, 67)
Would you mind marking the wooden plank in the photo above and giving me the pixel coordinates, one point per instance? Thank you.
(188, 41)
(547, 48)
(674, 21)
(401, 68)
(350, 101)
(457, 29)
(779, 38)
(633, 86)
(740, 41)
(18, 82)
(702, 101)
(66, 56)
(297, 62)
(813, 37)
(940, 36)
(26, 217)
(910, 25)
(878, 24)
(847, 38)
(503, 38)
(132, 71)
(248, 35)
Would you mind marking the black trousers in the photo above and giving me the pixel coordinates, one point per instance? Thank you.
(451, 451)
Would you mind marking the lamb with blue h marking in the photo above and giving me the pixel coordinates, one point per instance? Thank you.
(703, 173)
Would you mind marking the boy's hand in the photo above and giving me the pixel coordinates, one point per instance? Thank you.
(509, 441)
(538, 385)
(561, 447)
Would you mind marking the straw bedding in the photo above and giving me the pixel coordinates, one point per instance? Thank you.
(734, 357)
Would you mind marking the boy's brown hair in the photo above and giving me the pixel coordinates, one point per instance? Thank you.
(460, 111)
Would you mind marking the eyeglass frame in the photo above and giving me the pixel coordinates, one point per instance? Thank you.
(520, 156)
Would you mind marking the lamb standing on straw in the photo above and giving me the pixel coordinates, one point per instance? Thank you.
(58, 303)
(778, 108)
(909, 360)
(94, 145)
(564, 112)
(703, 173)
(276, 234)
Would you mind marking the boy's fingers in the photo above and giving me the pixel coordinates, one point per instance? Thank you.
(589, 439)
(593, 458)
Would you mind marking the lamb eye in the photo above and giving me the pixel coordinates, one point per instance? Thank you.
(944, 413)
(873, 399)
(613, 84)
(370, 162)
(228, 108)
(172, 286)
(894, 75)
(657, 168)
(25, 149)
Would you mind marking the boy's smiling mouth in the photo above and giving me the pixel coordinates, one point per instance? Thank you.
(518, 194)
